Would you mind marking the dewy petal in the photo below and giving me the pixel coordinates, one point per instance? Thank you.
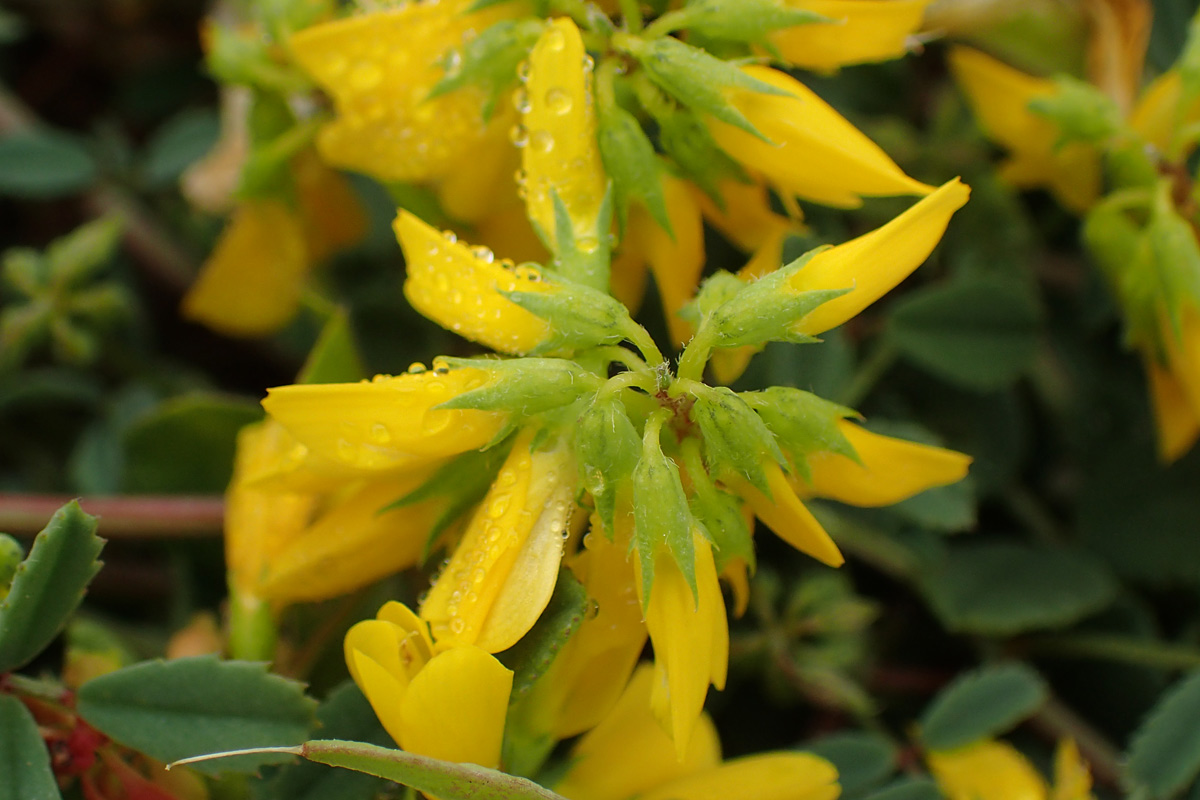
(862, 31)
(986, 770)
(1072, 780)
(455, 707)
(560, 153)
(387, 423)
(1177, 422)
(333, 216)
(786, 515)
(891, 469)
(379, 68)
(353, 543)
(1000, 97)
(628, 753)
(770, 776)
(251, 284)
(459, 288)
(814, 152)
(691, 641)
(503, 572)
(871, 265)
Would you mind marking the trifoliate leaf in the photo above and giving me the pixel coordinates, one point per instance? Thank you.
(48, 585)
(630, 162)
(1164, 754)
(802, 422)
(981, 704)
(24, 759)
(607, 447)
(523, 386)
(736, 440)
(490, 60)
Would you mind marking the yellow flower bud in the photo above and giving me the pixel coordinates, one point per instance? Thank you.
(862, 31)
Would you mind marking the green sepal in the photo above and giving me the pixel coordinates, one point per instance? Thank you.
(735, 438)
(24, 759)
(661, 516)
(523, 386)
(580, 316)
(716, 290)
(462, 481)
(587, 260)
(48, 585)
(535, 652)
(720, 514)
(607, 447)
(490, 60)
(685, 138)
(766, 310)
(631, 164)
(1175, 255)
(1118, 246)
(267, 171)
(1082, 111)
(802, 423)
(695, 78)
(743, 21)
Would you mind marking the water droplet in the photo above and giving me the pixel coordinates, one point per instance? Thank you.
(555, 40)
(518, 135)
(523, 71)
(520, 101)
(346, 449)
(453, 63)
(498, 506)
(380, 433)
(416, 368)
(457, 626)
(542, 141)
(588, 244)
(484, 254)
(450, 236)
(589, 63)
(558, 100)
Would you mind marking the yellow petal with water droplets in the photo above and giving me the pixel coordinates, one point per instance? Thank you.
(455, 707)
(874, 263)
(458, 287)
(251, 283)
(986, 771)
(1177, 422)
(862, 31)
(507, 230)
(333, 217)
(786, 515)
(1072, 780)
(631, 737)
(353, 543)
(258, 524)
(379, 68)
(770, 776)
(1000, 97)
(373, 658)
(559, 152)
(690, 637)
(387, 423)
(891, 469)
(501, 575)
(476, 186)
(813, 152)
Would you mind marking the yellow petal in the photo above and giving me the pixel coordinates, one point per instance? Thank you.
(1183, 354)
(333, 217)
(871, 265)
(258, 524)
(1177, 422)
(373, 658)
(628, 753)
(251, 284)
(786, 515)
(459, 288)
(863, 31)
(676, 262)
(691, 641)
(354, 543)
(891, 469)
(737, 575)
(747, 219)
(1117, 46)
(503, 572)
(815, 152)
(1000, 97)
(986, 771)
(455, 707)
(560, 152)
(476, 185)
(771, 776)
(1072, 780)
(387, 423)
(379, 68)
(417, 646)
(507, 230)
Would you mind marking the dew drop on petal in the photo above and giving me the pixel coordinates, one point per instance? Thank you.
(558, 100)
(542, 141)
(518, 135)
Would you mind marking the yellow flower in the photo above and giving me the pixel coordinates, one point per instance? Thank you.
(628, 755)
(1175, 385)
(862, 31)
(811, 151)
(991, 770)
(443, 702)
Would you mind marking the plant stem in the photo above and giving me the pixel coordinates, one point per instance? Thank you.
(1158, 655)
(130, 517)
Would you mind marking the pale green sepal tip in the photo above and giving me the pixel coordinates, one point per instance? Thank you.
(662, 517)
(802, 423)
(632, 165)
(523, 386)
(735, 438)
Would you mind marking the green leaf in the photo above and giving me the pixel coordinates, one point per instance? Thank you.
(345, 713)
(863, 760)
(630, 162)
(44, 163)
(24, 759)
(191, 706)
(201, 426)
(48, 585)
(1164, 754)
(535, 652)
(685, 138)
(1081, 111)
(178, 143)
(980, 334)
(981, 704)
(443, 779)
(907, 789)
(334, 358)
(1003, 588)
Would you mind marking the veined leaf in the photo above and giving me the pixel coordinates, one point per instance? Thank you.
(981, 704)
(1164, 755)
(25, 772)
